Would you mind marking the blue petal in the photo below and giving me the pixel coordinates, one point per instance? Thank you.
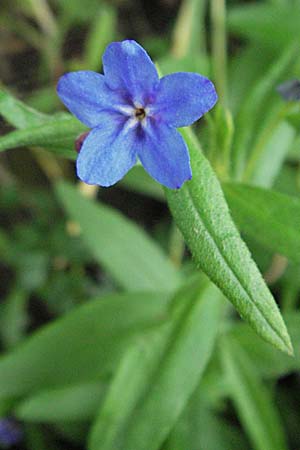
(107, 153)
(128, 68)
(164, 154)
(184, 97)
(87, 96)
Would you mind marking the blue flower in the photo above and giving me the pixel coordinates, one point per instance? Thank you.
(134, 114)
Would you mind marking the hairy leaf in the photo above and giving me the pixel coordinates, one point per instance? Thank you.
(202, 215)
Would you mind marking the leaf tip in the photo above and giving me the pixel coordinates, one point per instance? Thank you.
(290, 350)
(287, 346)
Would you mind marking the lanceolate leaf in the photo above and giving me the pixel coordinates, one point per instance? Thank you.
(132, 377)
(253, 105)
(17, 113)
(56, 133)
(252, 400)
(81, 346)
(158, 376)
(272, 218)
(60, 132)
(202, 215)
(127, 253)
(267, 361)
(178, 374)
(68, 403)
(196, 428)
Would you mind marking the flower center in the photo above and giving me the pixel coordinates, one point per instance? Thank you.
(140, 113)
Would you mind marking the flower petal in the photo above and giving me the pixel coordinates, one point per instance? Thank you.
(182, 98)
(164, 154)
(87, 96)
(128, 68)
(107, 153)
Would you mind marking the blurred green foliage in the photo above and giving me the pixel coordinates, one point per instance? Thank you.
(112, 335)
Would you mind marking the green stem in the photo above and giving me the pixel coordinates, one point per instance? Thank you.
(44, 16)
(219, 47)
(189, 31)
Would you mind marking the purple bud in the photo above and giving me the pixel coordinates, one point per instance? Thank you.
(10, 432)
(289, 90)
(79, 141)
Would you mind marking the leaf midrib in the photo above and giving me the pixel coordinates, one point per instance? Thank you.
(223, 257)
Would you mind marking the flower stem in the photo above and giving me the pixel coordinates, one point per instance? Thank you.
(189, 32)
(219, 47)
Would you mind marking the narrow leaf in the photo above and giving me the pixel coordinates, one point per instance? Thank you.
(196, 428)
(264, 166)
(18, 113)
(135, 374)
(269, 217)
(60, 132)
(104, 20)
(128, 384)
(127, 253)
(68, 403)
(294, 117)
(177, 376)
(14, 318)
(252, 400)
(202, 215)
(55, 132)
(271, 25)
(81, 345)
(266, 360)
(254, 104)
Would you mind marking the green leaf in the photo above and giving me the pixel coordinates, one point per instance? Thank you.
(190, 63)
(293, 116)
(14, 318)
(267, 361)
(268, 154)
(133, 259)
(202, 215)
(131, 379)
(138, 180)
(269, 217)
(166, 372)
(70, 403)
(132, 375)
(55, 132)
(196, 428)
(287, 181)
(253, 402)
(246, 67)
(266, 24)
(254, 104)
(58, 133)
(180, 371)
(104, 20)
(81, 345)
(18, 113)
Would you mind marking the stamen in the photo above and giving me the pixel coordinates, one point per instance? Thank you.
(140, 113)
